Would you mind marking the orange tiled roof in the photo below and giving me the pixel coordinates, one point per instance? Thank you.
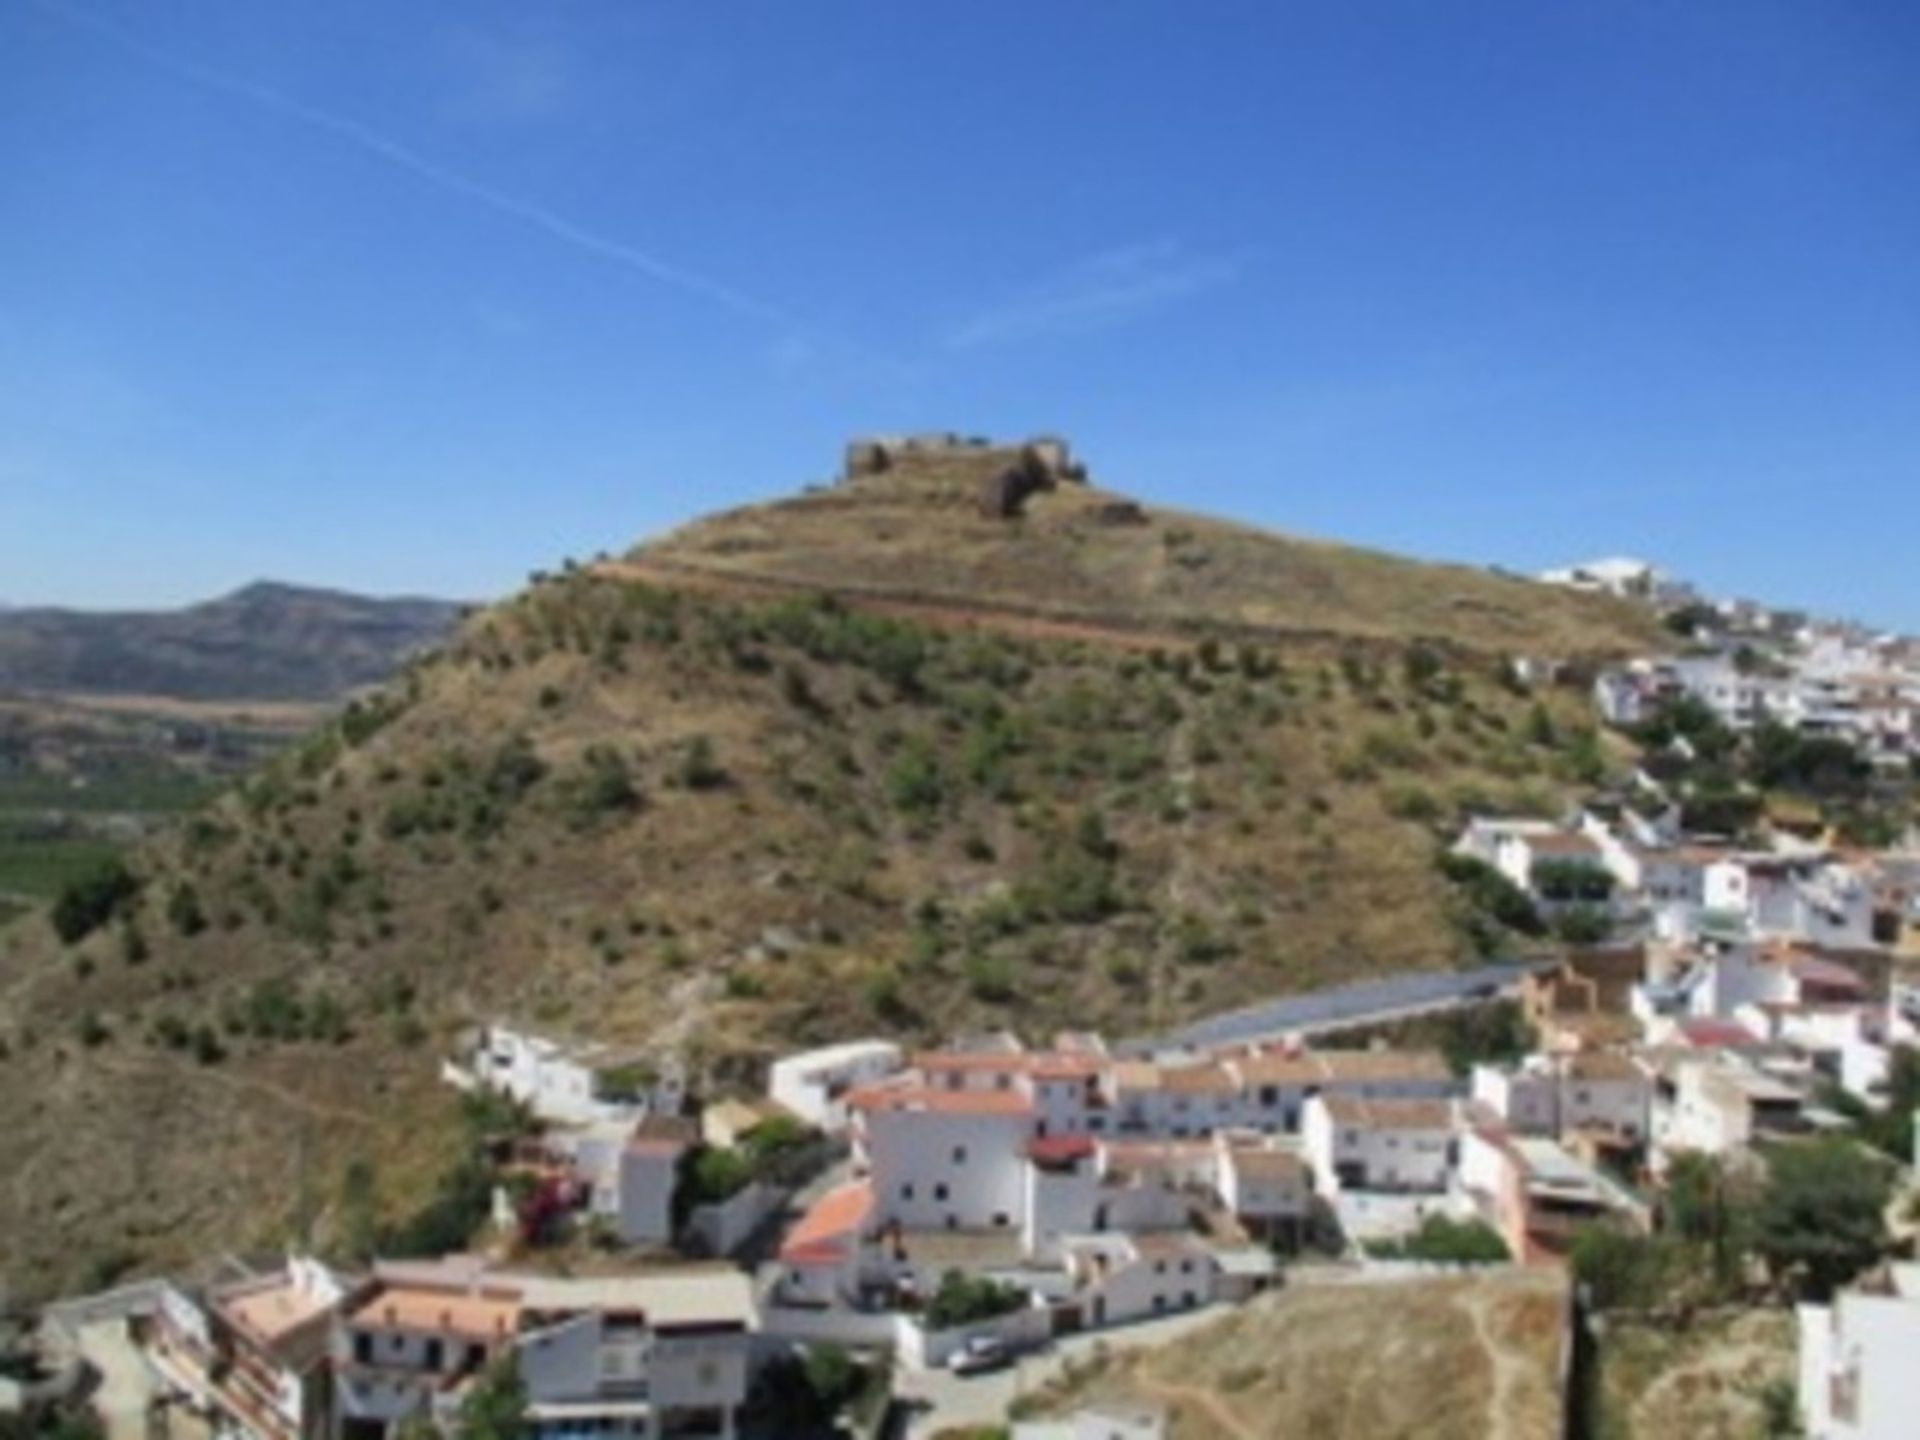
(822, 1235)
(482, 1314)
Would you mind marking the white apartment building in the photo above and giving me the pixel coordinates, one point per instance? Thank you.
(1382, 1145)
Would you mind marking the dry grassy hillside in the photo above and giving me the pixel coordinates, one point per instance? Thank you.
(1455, 1359)
(730, 819)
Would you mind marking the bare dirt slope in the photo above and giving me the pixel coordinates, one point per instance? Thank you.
(1474, 1358)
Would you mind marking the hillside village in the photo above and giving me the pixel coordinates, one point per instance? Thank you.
(1686, 1077)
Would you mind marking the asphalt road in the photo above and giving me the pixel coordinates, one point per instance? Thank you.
(1343, 1007)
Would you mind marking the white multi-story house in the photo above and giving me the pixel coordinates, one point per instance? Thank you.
(252, 1354)
(1607, 1095)
(1378, 1145)
(1857, 1377)
(814, 1084)
(1268, 1186)
(642, 1355)
(1717, 1104)
(949, 1158)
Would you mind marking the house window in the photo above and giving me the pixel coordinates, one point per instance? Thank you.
(363, 1349)
(940, 1192)
(436, 1355)
(1186, 1267)
(709, 1374)
(1000, 1219)
(906, 1192)
(959, 1154)
(1159, 1267)
(476, 1356)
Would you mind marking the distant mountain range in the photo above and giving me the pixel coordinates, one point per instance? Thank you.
(266, 641)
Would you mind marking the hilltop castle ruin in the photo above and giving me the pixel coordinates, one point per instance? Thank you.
(1001, 477)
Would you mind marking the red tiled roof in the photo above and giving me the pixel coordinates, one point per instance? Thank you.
(822, 1235)
(940, 1102)
(1707, 1033)
(1059, 1149)
(1828, 973)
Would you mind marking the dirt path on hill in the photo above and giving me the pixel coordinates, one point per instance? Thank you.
(1007, 620)
(1510, 1373)
(1182, 774)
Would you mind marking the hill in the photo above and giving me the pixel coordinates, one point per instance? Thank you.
(265, 641)
(728, 796)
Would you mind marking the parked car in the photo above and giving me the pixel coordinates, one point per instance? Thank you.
(979, 1353)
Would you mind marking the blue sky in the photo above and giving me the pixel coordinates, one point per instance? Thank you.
(412, 297)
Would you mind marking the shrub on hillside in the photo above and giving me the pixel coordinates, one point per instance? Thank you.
(92, 898)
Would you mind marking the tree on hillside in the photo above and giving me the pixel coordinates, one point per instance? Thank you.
(89, 900)
(1622, 1270)
(1820, 1220)
(1710, 1208)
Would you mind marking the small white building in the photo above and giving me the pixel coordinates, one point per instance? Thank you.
(1858, 1380)
(1118, 1278)
(571, 1083)
(1378, 1145)
(814, 1083)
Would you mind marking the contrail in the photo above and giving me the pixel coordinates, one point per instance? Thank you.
(374, 143)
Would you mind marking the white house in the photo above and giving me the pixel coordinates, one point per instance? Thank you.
(829, 1255)
(1858, 1380)
(1268, 1186)
(1718, 1104)
(252, 1353)
(639, 1355)
(813, 1083)
(1385, 1145)
(944, 1159)
(1118, 1278)
(1604, 1093)
(571, 1083)
(1806, 898)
